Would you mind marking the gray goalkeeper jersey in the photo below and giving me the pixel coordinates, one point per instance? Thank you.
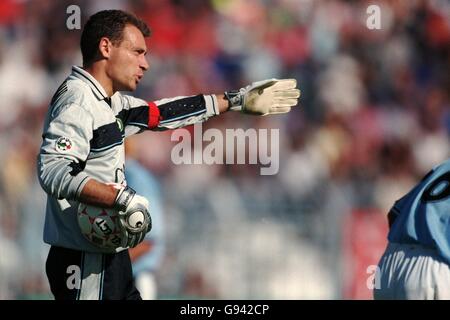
(83, 138)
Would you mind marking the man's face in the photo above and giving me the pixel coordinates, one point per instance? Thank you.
(127, 62)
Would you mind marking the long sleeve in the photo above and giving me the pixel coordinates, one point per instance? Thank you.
(165, 114)
(64, 150)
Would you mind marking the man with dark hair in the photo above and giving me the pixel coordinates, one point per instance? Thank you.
(81, 159)
(109, 24)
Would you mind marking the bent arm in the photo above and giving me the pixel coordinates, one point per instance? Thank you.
(63, 152)
(98, 194)
(62, 158)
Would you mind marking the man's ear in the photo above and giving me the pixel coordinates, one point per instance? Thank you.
(105, 46)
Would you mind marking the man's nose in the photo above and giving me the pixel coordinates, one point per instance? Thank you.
(144, 64)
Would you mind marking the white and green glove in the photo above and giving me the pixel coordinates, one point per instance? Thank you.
(271, 96)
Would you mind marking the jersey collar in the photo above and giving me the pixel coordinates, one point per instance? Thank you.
(85, 76)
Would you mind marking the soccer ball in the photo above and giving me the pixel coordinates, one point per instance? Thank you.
(100, 226)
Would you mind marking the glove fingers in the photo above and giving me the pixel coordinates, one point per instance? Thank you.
(280, 109)
(260, 86)
(285, 103)
(284, 84)
(150, 225)
(263, 83)
(291, 93)
(137, 238)
(141, 237)
(125, 236)
(133, 241)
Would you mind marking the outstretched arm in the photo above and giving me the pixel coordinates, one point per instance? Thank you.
(222, 102)
(271, 96)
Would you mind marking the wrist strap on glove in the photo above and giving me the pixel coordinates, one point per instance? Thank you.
(124, 198)
(235, 100)
(270, 96)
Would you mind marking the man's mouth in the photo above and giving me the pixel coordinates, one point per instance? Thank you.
(138, 78)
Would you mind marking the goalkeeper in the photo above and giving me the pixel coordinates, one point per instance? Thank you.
(81, 159)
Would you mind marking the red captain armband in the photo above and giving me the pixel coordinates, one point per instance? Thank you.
(154, 115)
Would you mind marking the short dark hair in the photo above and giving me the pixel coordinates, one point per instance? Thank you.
(109, 24)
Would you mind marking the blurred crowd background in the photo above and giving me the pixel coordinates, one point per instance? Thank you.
(373, 118)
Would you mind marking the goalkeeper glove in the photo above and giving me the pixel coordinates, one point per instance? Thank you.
(271, 96)
(134, 216)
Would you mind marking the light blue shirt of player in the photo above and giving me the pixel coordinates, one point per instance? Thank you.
(140, 179)
(423, 215)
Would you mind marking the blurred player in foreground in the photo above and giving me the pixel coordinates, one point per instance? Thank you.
(81, 159)
(416, 263)
(147, 256)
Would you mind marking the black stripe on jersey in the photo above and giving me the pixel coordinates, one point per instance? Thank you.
(77, 167)
(95, 86)
(182, 108)
(136, 116)
(59, 92)
(106, 137)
